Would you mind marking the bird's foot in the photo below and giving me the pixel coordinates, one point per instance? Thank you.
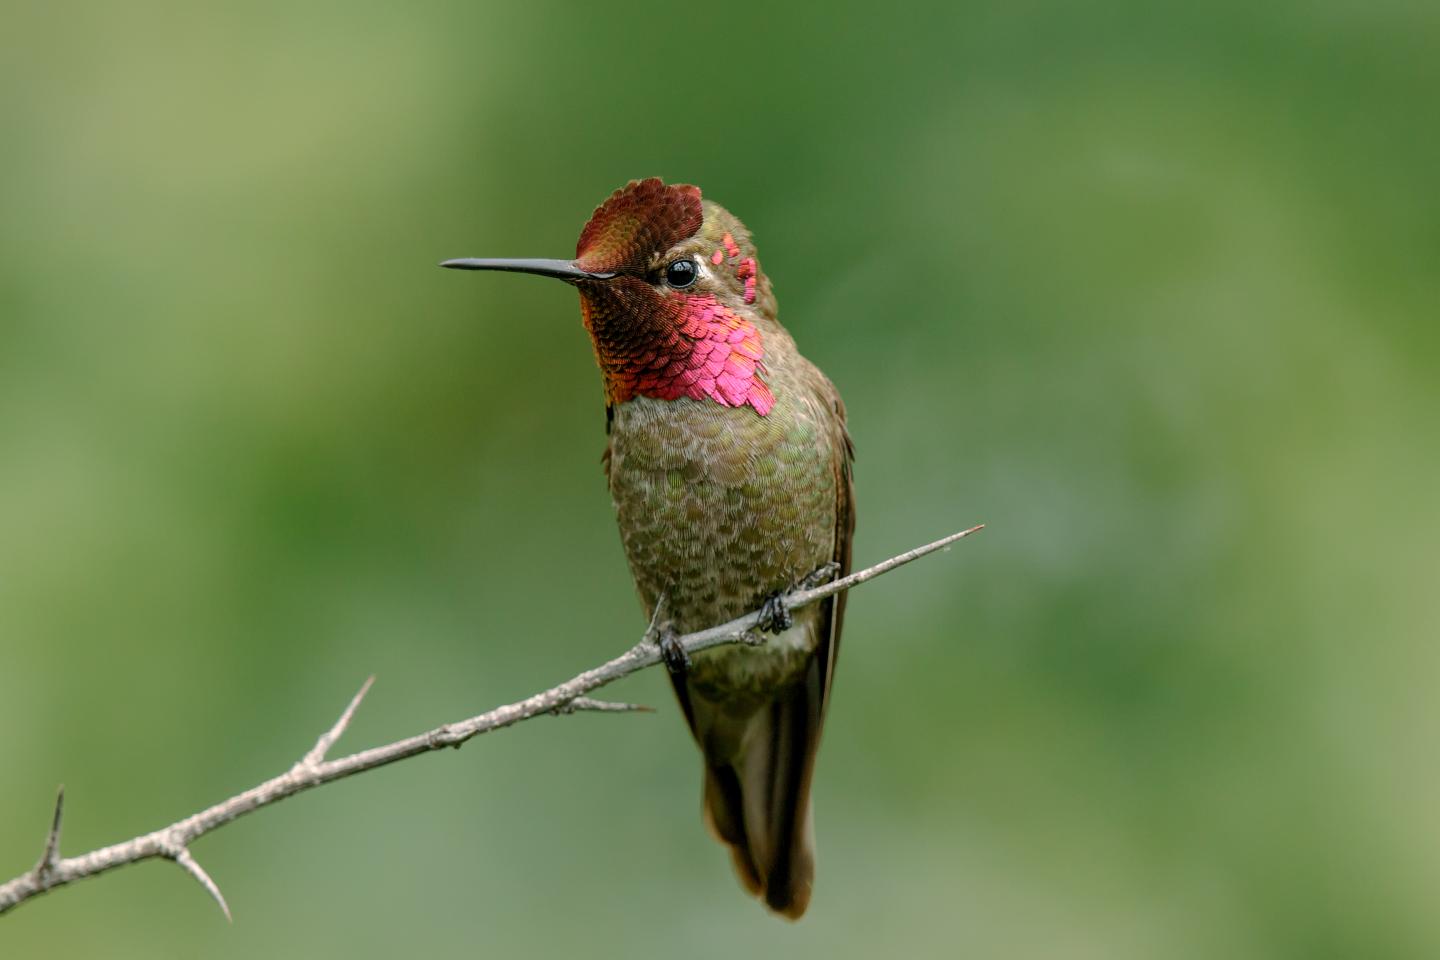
(677, 661)
(774, 615)
(818, 576)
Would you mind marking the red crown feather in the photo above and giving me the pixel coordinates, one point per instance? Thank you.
(640, 218)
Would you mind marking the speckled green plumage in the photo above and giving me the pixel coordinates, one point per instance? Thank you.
(719, 506)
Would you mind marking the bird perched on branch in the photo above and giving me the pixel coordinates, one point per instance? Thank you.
(729, 466)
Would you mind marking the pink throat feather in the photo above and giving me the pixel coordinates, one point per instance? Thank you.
(697, 348)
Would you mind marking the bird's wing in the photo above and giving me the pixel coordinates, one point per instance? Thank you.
(843, 460)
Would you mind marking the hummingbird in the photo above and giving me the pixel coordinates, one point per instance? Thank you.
(729, 465)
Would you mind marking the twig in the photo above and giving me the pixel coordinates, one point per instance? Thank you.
(312, 770)
(600, 706)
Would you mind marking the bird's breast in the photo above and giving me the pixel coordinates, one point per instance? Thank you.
(718, 507)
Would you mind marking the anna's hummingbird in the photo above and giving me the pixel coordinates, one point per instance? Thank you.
(729, 466)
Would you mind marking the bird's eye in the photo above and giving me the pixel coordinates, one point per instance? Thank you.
(681, 273)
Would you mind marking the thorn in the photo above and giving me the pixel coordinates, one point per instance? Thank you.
(51, 856)
(654, 631)
(181, 855)
(328, 738)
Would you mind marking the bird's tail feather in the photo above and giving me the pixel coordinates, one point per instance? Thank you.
(757, 791)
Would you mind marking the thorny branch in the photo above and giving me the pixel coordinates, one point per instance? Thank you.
(173, 842)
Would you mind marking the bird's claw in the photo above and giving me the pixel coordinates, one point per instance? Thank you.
(774, 615)
(677, 661)
(818, 576)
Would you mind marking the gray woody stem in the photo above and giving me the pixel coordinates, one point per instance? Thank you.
(312, 770)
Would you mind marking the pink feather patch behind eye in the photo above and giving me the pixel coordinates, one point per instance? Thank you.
(746, 271)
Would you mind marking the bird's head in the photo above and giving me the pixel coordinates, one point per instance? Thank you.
(672, 294)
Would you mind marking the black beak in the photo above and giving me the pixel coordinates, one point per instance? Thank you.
(560, 269)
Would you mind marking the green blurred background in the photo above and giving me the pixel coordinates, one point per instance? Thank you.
(1151, 289)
